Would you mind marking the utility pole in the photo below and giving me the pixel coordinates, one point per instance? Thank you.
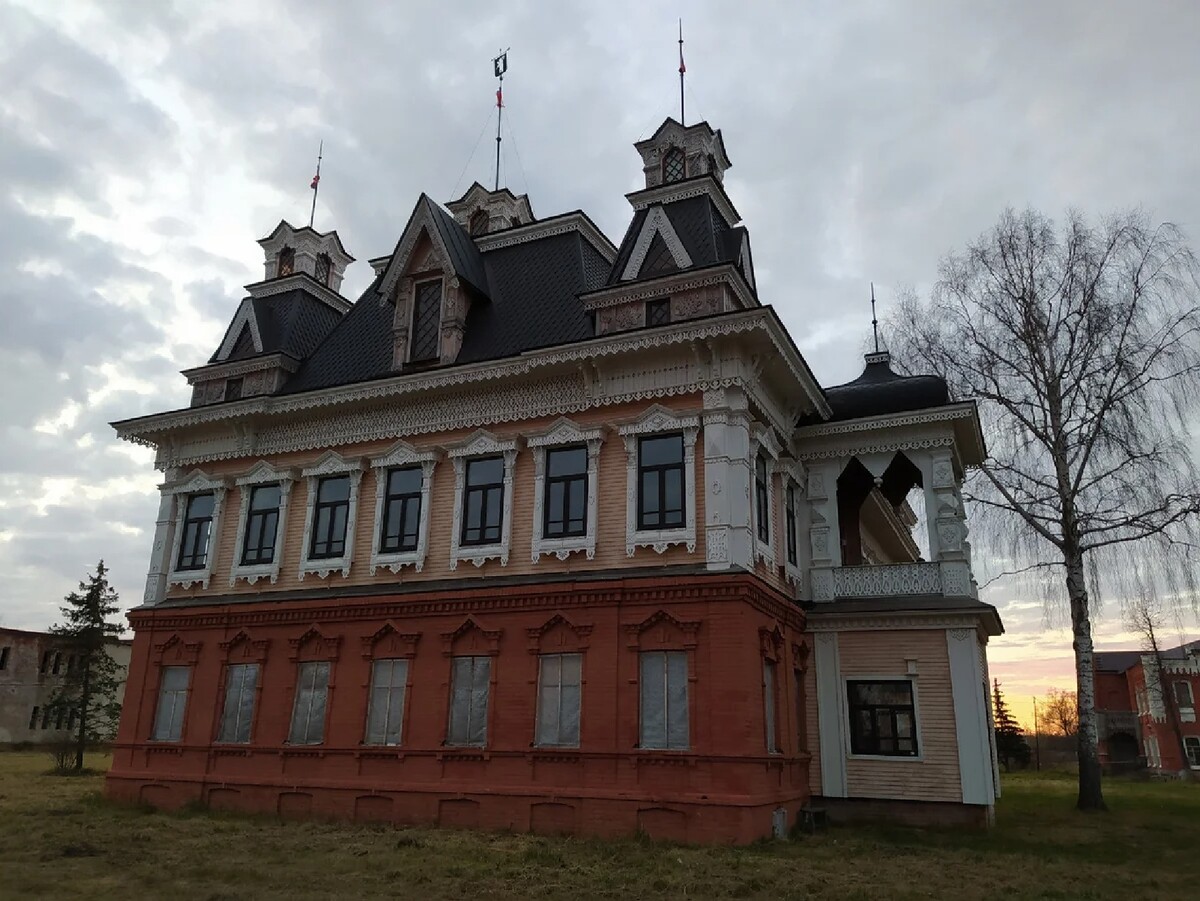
(1037, 737)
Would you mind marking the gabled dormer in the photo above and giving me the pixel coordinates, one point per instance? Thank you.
(282, 321)
(432, 278)
(482, 212)
(684, 255)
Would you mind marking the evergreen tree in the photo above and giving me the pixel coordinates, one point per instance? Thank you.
(1011, 746)
(90, 685)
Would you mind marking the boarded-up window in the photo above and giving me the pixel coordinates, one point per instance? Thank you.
(241, 683)
(426, 322)
(172, 702)
(386, 713)
(769, 708)
(469, 687)
(308, 714)
(558, 700)
(664, 700)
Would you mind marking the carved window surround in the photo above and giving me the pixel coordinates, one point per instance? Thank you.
(197, 483)
(402, 454)
(658, 419)
(793, 472)
(763, 439)
(481, 444)
(331, 464)
(565, 432)
(262, 473)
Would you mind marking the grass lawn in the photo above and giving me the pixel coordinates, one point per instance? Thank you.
(60, 839)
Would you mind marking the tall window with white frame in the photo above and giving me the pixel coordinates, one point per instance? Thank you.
(172, 703)
(262, 522)
(1183, 695)
(385, 713)
(197, 524)
(565, 507)
(470, 685)
(790, 522)
(483, 501)
(660, 482)
(770, 705)
(1192, 745)
(664, 700)
(308, 711)
(426, 322)
(883, 719)
(330, 515)
(401, 510)
(241, 687)
(762, 518)
(558, 701)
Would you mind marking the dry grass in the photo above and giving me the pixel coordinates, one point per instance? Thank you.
(60, 839)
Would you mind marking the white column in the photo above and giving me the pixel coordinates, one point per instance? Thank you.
(824, 537)
(160, 551)
(970, 717)
(831, 715)
(728, 478)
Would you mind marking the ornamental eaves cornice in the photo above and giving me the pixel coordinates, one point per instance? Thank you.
(240, 367)
(300, 281)
(625, 292)
(702, 186)
(548, 228)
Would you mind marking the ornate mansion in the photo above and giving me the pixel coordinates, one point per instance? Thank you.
(545, 533)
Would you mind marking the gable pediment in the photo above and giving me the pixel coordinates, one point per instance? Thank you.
(244, 323)
(656, 232)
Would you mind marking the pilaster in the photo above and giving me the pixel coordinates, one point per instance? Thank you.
(160, 551)
(825, 549)
(728, 480)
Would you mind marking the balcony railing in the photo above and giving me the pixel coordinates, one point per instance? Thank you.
(948, 578)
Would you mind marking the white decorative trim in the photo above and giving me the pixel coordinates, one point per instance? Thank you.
(972, 729)
(422, 221)
(244, 316)
(330, 464)
(763, 438)
(654, 420)
(547, 228)
(792, 471)
(402, 454)
(746, 263)
(304, 282)
(481, 444)
(262, 473)
(671, 283)
(179, 492)
(656, 223)
(240, 367)
(887, 580)
(564, 432)
(673, 191)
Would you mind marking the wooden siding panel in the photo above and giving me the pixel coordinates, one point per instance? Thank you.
(935, 777)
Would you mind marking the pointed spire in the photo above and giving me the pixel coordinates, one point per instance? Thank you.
(874, 318)
(682, 70)
(316, 184)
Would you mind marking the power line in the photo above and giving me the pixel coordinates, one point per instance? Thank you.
(474, 150)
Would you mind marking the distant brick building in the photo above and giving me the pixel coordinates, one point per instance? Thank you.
(1135, 728)
(32, 667)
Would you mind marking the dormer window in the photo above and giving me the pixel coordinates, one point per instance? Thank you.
(658, 312)
(479, 223)
(323, 268)
(426, 322)
(233, 389)
(287, 262)
(674, 165)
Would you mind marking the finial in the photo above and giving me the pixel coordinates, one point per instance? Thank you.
(682, 70)
(316, 183)
(499, 66)
(874, 319)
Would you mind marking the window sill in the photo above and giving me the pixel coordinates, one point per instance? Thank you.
(661, 539)
(479, 554)
(397, 560)
(893, 758)
(186, 578)
(253, 572)
(562, 548)
(325, 566)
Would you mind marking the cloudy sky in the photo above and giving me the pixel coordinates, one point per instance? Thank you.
(145, 145)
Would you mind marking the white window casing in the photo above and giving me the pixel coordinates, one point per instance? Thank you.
(402, 454)
(196, 483)
(564, 432)
(262, 473)
(331, 464)
(481, 444)
(793, 473)
(762, 439)
(656, 420)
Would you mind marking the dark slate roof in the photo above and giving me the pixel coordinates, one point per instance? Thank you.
(703, 231)
(1120, 661)
(532, 301)
(293, 323)
(879, 391)
(464, 255)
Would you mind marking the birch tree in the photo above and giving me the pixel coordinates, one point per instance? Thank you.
(1081, 345)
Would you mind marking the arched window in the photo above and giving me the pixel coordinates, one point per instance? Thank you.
(674, 165)
(479, 223)
(323, 267)
(287, 262)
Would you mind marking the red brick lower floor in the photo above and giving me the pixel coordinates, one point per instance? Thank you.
(735, 768)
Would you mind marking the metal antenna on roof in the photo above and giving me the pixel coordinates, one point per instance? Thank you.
(682, 70)
(316, 183)
(499, 66)
(874, 319)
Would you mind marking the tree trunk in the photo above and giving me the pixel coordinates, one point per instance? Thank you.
(85, 701)
(1091, 795)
